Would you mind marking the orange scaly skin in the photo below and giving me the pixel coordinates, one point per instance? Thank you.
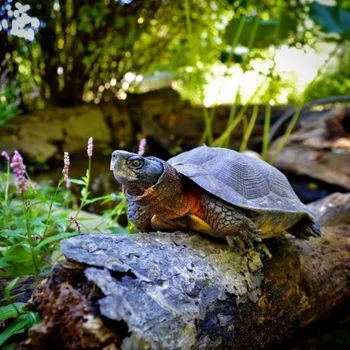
(194, 198)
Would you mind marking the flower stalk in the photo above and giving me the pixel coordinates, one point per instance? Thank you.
(22, 184)
(19, 170)
(6, 187)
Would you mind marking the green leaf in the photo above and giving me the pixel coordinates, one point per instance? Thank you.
(39, 222)
(51, 239)
(19, 253)
(3, 262)
(10, 311)
(96, 199)
(77, 181)
(19, 259)
(19, 325)
(84, 192)
(10, 286)
(33, 318)
(12, 234)
(265, 34)
(331, 19)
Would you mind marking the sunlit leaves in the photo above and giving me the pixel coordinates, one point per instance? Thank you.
(81, 46)
(265, 30)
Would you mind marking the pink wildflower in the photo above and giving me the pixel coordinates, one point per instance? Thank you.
(142, 146)
(66, 163)
(90, 147)
(19, 170)
(65, 170)
(76, 222)
(5, 155)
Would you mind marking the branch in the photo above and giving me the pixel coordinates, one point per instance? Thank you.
(185, 291)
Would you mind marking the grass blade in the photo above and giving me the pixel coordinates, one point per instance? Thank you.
(52, 239)
(17, 326)
(11, 310)
(250, 128)
(267, 124)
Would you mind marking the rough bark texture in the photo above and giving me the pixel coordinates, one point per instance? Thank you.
(184, 291)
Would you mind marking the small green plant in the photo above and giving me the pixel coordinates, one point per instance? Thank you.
(9, 100)
(28, 230)
(14, 314)
(33, 220)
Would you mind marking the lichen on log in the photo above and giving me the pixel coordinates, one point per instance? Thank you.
(186, 291)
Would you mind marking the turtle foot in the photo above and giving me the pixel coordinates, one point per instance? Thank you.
(243, 243)
(305, 229)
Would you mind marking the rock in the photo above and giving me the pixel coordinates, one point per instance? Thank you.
(37, 149)
(87, 121)
(122, 127)
(45, 134)
(41, 130)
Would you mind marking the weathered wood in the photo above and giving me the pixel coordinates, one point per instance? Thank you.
(320, 149)
(185, 291)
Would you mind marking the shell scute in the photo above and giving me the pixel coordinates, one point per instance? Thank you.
(239, 179)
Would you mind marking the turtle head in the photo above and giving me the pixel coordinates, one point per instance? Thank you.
(135, 172)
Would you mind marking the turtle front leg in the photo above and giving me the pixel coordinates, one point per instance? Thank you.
(146, 221)
(161, 224)
(139, 216)
(230, 223)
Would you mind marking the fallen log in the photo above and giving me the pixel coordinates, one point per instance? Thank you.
(320, 149)
(185, 291)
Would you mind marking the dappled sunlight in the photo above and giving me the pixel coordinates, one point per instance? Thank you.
(296, 67)
(303, 64)
(17, 20)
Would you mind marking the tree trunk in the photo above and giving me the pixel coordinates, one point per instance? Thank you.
(185, 291)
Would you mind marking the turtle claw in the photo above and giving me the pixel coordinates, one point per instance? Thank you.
(305, 229)
(239, 244)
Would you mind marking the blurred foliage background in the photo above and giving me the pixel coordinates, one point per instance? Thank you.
(65, 52)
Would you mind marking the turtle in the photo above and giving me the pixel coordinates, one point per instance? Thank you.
(211, 190)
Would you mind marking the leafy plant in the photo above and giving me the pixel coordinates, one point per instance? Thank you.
(14, 314)
(33, 220)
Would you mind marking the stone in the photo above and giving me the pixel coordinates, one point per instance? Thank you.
(87, 122)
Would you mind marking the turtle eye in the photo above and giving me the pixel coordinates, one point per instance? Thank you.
(136, 163)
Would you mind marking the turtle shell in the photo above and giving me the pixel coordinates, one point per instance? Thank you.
(239, 179)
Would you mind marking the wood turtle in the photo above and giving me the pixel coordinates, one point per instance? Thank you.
(212, 190)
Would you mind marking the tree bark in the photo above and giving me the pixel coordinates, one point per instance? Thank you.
(185, 291)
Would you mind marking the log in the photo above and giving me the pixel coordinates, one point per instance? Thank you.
(320, 149)
(186, 291)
